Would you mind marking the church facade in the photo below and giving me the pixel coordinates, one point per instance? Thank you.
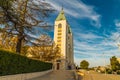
(63, 38)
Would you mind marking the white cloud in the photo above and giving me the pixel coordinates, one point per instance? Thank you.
(108, 44)
(77, 9)
(90, 46)
(88, 35)
(91, 51)
(83, 46)
(117, 23)
(94, 61)
(115, 36)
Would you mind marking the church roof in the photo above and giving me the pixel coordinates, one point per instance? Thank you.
(69, 29)
(61, 16)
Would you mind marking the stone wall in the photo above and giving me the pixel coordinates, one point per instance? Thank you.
(24, 76)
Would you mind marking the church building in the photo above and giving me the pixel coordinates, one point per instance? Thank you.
(63, 38)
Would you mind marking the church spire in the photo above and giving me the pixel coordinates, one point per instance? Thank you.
(61, 15)
(62, 7)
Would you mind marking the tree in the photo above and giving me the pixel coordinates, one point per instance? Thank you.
(7, 43)
(114, 63)
(44, 39)
(21, 17)
(84, 64)
(44, 53)
(45, 50)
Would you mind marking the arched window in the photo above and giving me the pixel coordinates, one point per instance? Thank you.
(59, 25)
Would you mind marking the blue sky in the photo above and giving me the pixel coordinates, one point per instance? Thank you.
(96, 28)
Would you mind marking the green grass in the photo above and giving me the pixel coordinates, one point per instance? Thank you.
(11, 63)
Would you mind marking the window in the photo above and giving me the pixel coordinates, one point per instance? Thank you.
(60, 25)
(59, 37)
(59, 33)
(59, 30)
(58, 40)
(59, 44)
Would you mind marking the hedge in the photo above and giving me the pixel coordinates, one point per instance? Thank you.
(11, 63)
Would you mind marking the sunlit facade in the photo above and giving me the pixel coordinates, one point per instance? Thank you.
(63, 38)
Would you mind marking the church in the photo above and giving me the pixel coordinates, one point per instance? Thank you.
(63, 38)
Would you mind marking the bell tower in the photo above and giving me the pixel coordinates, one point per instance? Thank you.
(62, 40)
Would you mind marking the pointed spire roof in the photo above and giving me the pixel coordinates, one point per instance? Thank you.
(61, 16)
(69, 29)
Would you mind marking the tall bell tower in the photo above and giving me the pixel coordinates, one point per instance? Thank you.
(64, 40)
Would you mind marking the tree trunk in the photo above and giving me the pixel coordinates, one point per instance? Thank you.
(20, 38)
(19, 44)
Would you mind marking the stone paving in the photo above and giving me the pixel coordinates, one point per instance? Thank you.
(98, 76)
(57, 75)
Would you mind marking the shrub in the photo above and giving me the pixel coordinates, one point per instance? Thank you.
(109, 71)
(118, 72)
(11, 63)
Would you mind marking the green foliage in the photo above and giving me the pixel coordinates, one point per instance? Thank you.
(114, 63)
(6, 3)
(84, 64)
(118, 72)
(11, 63)
(44, 49)
(108, 71)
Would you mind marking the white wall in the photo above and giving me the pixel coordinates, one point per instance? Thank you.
(63, 45)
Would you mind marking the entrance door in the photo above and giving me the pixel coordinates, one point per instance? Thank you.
(58, 66)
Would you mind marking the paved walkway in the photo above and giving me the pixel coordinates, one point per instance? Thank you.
(57, 75)
(98, 76)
